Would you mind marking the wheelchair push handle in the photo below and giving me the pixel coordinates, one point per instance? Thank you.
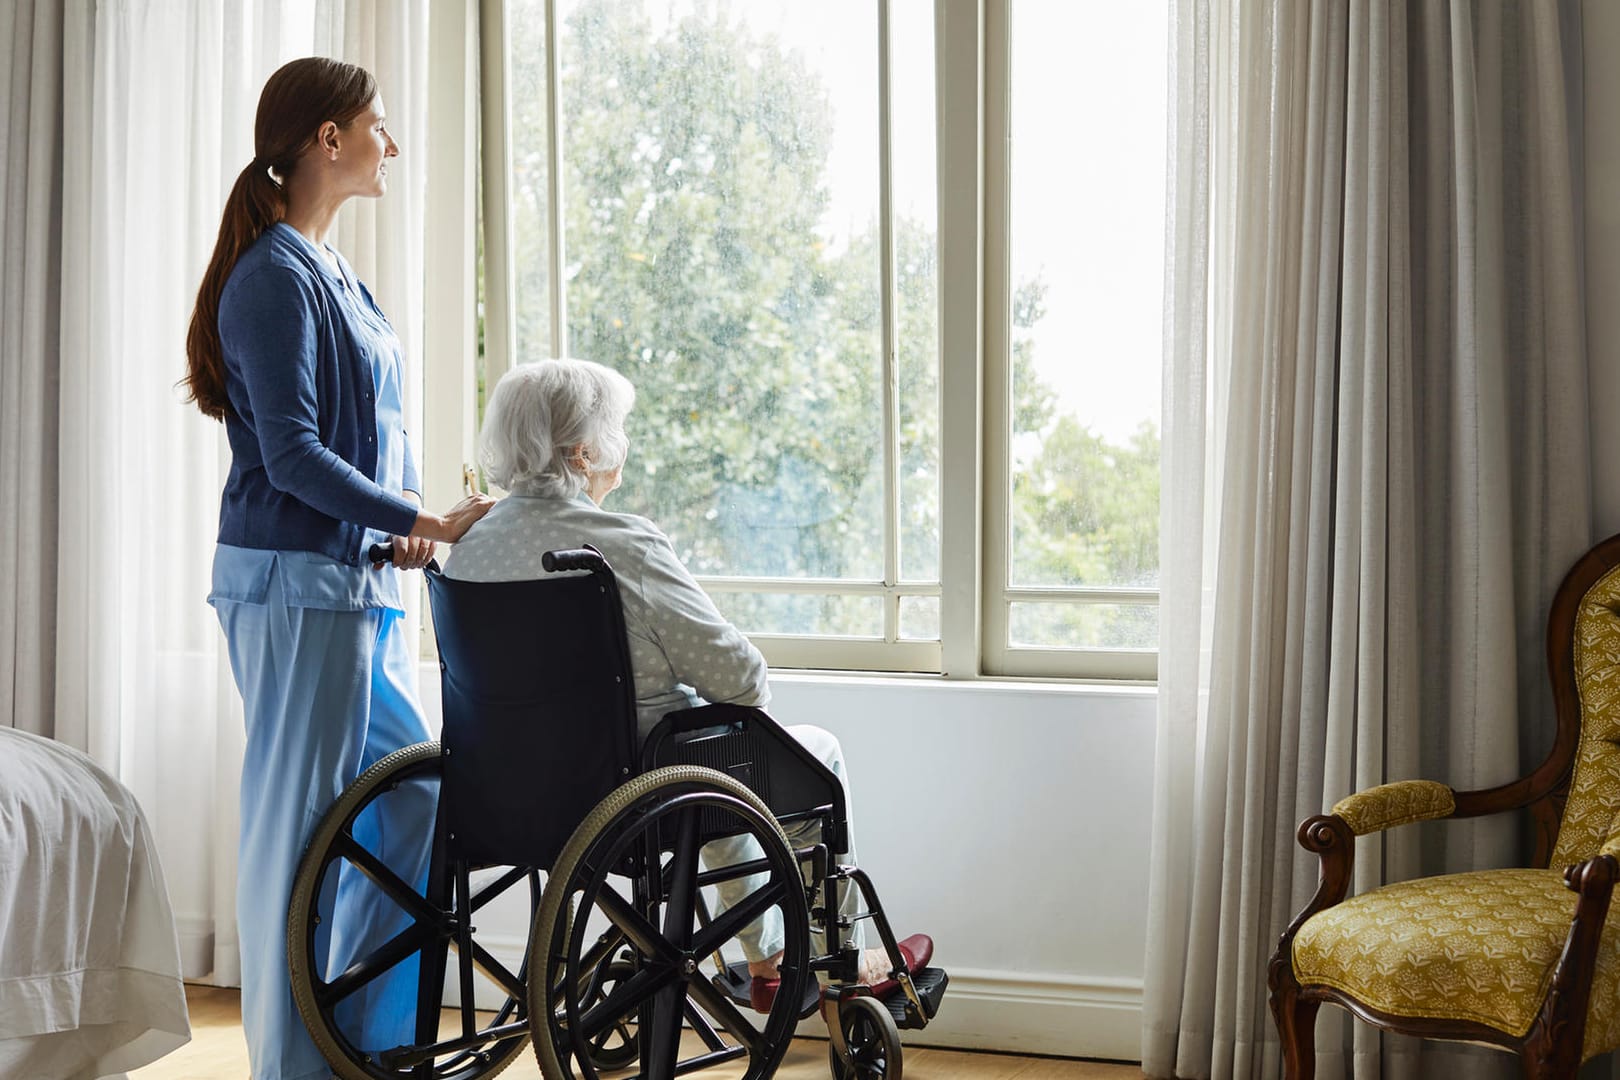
(384, 553)
(584, 558)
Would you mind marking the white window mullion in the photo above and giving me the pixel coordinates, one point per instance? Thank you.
(500, 321)
(959, 80)
(450, 260)
(848, 654)
(554, 184)
(890, 372)
(997, 337)
(450, 314)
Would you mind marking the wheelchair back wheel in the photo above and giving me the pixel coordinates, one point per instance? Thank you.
(370, 926)
(629, 878)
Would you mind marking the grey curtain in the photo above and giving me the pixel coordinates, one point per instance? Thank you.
(1375, 419)
(30, 312)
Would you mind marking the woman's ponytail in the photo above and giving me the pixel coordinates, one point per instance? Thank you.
(296, 100)
(256, 202)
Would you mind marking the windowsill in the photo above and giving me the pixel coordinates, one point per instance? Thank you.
(988, 684)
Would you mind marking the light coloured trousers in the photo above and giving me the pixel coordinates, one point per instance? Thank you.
(763, 938)
(326, 694)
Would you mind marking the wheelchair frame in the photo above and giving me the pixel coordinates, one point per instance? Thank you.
(697, 767)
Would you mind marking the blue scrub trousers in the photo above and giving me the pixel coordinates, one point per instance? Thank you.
(326, 694)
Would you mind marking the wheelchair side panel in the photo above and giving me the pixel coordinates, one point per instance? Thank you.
(746, 743)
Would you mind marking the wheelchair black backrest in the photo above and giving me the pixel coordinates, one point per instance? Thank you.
(539, 707)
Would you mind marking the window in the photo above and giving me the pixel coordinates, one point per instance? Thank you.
(739, 207)
(1073, 441)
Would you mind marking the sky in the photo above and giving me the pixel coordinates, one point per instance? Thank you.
(1087, 183)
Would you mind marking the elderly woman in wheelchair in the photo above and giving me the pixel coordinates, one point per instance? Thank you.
(577, 655)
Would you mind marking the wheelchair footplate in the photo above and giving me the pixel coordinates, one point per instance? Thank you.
(736, 984)
(929, 982)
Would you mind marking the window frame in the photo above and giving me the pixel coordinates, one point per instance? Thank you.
(972, 87)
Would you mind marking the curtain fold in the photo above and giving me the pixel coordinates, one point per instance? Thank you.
(159, 101)
(30, 306)
(1375, 373)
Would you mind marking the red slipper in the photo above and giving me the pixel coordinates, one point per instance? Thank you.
(916, 951)
(762, 994)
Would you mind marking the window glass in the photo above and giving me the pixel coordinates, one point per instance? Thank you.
(529, 193)
(915, 199)
(1085, 626)
(722, 237)
(720, 222)
(1087, 194)
(786, 613)
(919, 618)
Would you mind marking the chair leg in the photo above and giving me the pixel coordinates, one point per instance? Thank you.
(1556, 1063)
(1538, 1067)
(1296, 1026)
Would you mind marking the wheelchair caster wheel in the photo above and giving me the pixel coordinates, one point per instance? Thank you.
(616, 1046)
(871, 1041)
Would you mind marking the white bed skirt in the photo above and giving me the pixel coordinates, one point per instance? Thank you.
(89, 960)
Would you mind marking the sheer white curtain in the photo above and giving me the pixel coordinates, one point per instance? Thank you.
(30, 309)
(159, 106)
(1375, 424)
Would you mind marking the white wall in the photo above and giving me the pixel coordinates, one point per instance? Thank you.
(1010, 821)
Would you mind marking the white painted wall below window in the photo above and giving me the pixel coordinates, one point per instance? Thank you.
(1011, 822)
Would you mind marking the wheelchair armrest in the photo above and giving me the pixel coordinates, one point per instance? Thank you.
(707, 716)
(684, 725)
(773, 763)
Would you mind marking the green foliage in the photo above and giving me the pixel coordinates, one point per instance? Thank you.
(696, 179)
(1086, 512)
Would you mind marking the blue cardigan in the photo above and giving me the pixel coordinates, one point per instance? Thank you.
(303, 421)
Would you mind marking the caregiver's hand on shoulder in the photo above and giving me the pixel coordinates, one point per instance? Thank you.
(449, 527)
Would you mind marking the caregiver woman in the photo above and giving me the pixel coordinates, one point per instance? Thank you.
(288, 348)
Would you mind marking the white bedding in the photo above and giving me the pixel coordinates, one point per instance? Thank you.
(89, 963)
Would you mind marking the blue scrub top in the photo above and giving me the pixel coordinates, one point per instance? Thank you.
(309, 579)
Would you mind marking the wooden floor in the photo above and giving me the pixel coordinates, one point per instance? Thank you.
(216, 1052)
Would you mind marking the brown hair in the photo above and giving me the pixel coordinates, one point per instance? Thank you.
(296, 101)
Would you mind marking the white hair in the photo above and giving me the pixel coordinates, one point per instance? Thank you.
(540, 412)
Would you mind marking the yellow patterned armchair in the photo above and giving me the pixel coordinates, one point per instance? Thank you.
(1522, 959)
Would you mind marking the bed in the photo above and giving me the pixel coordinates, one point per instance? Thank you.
(89, 962)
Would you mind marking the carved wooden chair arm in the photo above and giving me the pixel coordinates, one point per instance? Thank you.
(1332, 836)
(1399, 803)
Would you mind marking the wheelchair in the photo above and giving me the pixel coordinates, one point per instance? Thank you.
(548, 809)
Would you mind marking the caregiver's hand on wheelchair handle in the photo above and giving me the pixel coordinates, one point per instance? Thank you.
(405, 552)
